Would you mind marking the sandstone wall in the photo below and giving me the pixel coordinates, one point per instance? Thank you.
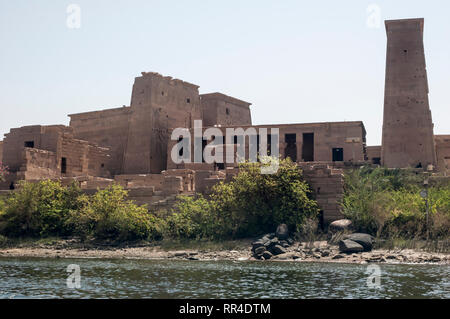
(443, 153)
(38, 164)
(374, 154)
(348, 137)
(218, 108)
(107, 128)
(41, 137)
(328, 187)
(141, 180)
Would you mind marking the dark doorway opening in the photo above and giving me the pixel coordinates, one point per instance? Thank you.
(63, 165)
(321, 225)
(338, 154)
(29, 144)
(376, 160)
(308, 147)
(291, 146)
(219, 166)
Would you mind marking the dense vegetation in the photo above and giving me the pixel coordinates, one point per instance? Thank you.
(48, 209)
(251, 204)
(387, 203)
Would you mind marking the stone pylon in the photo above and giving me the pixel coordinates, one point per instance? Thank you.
(407, 125)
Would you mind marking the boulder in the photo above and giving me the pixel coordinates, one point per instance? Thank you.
(267, 255)
(349, 246)
(340, 225)
(277, 250)
(282, 232)
(364, 240)
(284, 243)
(260, 250)
(269, 244)
(256, 244)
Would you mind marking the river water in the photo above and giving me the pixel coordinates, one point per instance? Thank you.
(125, 278)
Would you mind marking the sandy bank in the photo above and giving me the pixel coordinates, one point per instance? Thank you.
(298, 252)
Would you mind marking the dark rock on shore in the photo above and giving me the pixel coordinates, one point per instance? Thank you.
(349, 246)
(259, 250)
(364, 240)
(277, 250)
(272, 244)
(267, 255)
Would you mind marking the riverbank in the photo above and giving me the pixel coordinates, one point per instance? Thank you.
(319, 251)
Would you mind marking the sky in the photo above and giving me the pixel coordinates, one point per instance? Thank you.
(295, 61)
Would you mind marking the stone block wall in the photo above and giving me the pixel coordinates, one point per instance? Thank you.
(186, 174)
(443, 153)
(374, 154)
(40, 137)
(173, 185)
(327, 184)
(218, 108)
(38, 164)
(347, 137)
(106, 128)
(141, 180)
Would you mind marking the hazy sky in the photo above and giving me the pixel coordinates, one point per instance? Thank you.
(296, 61)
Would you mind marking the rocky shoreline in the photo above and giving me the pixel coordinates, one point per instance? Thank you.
(319, 251)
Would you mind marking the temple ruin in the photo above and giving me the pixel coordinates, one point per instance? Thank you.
(131, 145)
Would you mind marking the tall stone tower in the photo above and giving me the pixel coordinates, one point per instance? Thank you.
(158, 103)
(407, 125)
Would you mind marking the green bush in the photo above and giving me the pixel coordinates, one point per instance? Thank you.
(191, 218)
(39, 210)
(47, 209)
(387, 203)
(249, 205)
(108, 215)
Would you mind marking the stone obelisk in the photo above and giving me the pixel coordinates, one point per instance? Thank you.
(407, 125)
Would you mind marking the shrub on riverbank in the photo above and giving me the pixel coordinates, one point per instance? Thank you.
(39, 210)
(108, 215)
(387, 203)
(249, 205)
(49, 209)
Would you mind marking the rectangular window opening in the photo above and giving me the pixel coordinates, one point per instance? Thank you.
(29, 144)
(338, 154)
